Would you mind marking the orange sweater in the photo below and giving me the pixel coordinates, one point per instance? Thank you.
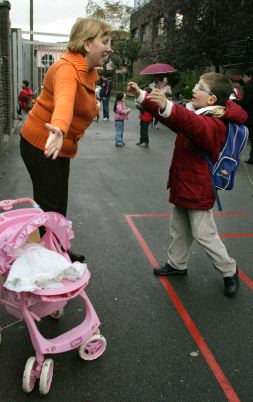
(67, 101)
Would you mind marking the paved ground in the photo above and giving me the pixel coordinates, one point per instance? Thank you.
(176, 341)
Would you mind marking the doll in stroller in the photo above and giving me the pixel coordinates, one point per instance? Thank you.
(17, 226)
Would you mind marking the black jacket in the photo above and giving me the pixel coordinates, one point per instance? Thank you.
(247, 101)
(106, 87)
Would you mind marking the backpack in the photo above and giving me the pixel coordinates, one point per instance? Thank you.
(30, 100)
(224, 171)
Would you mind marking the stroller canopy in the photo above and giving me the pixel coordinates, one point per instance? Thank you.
(17, 225)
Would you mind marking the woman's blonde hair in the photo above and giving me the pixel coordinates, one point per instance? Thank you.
(85, 29)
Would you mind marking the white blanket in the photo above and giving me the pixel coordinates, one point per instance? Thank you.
(38, 268)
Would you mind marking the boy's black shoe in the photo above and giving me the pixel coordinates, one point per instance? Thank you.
(76, 257)
(168, 270)
(231, 284)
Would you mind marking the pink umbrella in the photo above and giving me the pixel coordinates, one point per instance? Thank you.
(158, 68)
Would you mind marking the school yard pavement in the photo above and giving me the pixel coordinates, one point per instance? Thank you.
(176, 340)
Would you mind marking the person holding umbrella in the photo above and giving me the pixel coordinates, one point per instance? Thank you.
(156, 84)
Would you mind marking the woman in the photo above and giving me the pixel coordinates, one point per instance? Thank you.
(63, 111)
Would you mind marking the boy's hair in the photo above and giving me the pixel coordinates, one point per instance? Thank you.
(119, 97)
(220, 85)
(249, 72)
(85, 29)
(26, 83)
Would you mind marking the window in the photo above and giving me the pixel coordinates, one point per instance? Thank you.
(144, 33)
(160, 26)
(135, 34)
(47, 60)
(179, 19)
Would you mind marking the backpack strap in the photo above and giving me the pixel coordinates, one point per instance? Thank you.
(210, 165)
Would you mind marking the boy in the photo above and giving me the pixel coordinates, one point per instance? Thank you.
(145, 119)
(189, 179)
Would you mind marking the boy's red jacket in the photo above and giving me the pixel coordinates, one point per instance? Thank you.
(189, 178)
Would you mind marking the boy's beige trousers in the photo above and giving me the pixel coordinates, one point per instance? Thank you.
(188, 225)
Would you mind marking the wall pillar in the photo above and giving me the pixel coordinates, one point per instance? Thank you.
(5, 73)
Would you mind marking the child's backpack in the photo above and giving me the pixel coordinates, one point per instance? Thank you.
(223, 172)
(30, 100)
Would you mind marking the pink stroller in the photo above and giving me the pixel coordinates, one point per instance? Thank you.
(15, 228)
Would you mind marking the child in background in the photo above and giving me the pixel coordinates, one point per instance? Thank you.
(145, 119)
(26, 99)
(120, 115)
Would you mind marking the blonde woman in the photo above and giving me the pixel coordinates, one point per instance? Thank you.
(62, 113)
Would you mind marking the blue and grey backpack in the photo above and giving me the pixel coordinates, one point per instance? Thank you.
(223, 172)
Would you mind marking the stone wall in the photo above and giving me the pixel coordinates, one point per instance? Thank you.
(155, 47)
(5, 74)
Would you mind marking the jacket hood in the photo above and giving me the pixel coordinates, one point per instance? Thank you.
(235, 113)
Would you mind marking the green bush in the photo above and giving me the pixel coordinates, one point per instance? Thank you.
(187, 81)
(183, 82)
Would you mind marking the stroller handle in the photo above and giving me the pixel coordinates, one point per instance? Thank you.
(6, 205)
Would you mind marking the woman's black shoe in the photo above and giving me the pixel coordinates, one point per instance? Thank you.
(76, 257)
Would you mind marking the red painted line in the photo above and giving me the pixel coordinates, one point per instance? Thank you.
(192, 328)
(229, 213)
(148, 215)
(236, 234)
(202, 345)
(141, 241)
(246, 280)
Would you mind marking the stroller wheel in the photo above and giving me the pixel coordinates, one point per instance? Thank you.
(46, 376)
(57, 314)
(29, 375)
(93, 347)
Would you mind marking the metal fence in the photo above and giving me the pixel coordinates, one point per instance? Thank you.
(32, 58)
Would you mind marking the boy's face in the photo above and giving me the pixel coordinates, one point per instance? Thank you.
(202, 95)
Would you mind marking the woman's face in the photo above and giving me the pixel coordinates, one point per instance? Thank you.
(98, 50)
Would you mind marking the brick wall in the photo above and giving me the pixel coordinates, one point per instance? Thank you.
(5, 74)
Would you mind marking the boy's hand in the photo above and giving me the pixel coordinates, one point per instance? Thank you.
(158, 97)
(133, 88)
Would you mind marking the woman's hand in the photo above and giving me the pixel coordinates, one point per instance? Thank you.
(133, 88)
(54, 141)
(158, 97)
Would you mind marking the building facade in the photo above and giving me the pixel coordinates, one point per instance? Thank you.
(152, 24)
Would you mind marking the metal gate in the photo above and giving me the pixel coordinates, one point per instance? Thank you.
(31, 59)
